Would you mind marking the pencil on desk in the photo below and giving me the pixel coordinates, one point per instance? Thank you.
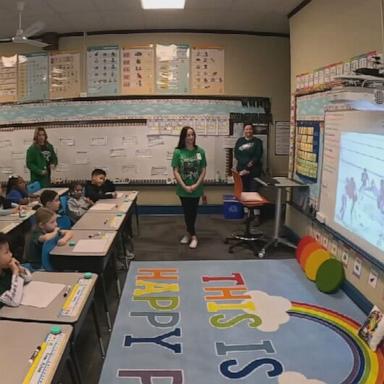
(35, 363)
(70, 297)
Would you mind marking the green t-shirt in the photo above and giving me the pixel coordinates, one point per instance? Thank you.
(190, 164)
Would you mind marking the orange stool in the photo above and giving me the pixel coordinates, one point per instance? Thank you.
(307, 250)
(302, 243)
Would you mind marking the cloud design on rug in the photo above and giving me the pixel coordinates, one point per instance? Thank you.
(297, 378)
(272, 310)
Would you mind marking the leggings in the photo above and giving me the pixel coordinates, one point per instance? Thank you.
(190, 205)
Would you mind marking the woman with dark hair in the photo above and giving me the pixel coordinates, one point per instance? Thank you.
(189, 168)
(249, 154)
(41, 157)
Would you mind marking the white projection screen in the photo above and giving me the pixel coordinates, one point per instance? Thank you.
(352, 187)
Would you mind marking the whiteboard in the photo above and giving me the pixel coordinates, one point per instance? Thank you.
(352, 186)
(128, 152)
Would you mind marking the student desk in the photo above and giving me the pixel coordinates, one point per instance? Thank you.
(17, 218)
(59, 191)
(64, 258)
(100, 221)
(8, 226)
(131, 196)
(71, 309)
(280, 184)
(19, 341)
(114, 206)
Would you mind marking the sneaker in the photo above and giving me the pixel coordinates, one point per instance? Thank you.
(193, 243)
(184, 239)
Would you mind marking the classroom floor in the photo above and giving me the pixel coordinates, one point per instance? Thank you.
(158, 241)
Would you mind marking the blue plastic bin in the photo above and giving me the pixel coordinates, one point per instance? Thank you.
(233, 209)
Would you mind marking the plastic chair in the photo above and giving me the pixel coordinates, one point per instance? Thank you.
(45, 257)
(252, 201)
(64, 222)
(33, 187)
(63, 205)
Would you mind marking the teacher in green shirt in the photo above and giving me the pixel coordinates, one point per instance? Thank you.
(189, 168)
(41, 158)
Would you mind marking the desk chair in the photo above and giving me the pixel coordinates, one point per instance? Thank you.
(33, 187)
(45, 258)
(64, 222)
(63, 205)
(251, 201)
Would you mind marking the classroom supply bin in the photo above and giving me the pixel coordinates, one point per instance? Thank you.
(233, 209)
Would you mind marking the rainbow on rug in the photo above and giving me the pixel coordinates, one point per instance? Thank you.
(213, 322)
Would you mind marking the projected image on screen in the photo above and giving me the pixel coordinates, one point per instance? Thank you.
(360, 186)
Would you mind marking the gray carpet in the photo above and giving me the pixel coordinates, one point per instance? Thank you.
(160, 235)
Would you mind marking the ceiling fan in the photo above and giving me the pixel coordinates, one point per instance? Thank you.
(22, 35)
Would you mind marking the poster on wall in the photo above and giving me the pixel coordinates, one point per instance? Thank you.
(103, 68)
(33, 76)
(137, 70)
(64, 75)
(207, 70)
(282, 129)
(307, 149)
(172, 68)
(8, 78)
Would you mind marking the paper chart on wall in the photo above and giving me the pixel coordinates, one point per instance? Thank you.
(64, 75)
(8, 78)
(33, 76)
(155, 140)
(81, 157)
(98, 141)
(282, 129)
(117, 152)
(129, 140)
(172, 68)
(67, 141)
(103, 68)
(207, 70)
(159, 171)
(129, 169)
(137, 70)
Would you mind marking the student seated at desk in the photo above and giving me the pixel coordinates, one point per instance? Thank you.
(12, 276)
(50, 199)
(6, 207)
(99, 187)
(45, 229)
(78, 204)
(17, 190)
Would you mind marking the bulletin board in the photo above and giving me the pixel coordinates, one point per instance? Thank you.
(133, 140)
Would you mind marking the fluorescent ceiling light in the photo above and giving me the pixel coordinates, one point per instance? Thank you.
(163, 4)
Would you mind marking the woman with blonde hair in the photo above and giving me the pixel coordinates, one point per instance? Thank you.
(41, 158)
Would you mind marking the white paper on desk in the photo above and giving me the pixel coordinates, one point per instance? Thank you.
(103, 207)
(91, 246)
(119, 194)
(40, 294)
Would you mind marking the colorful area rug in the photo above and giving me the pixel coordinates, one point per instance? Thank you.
(214, 322)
